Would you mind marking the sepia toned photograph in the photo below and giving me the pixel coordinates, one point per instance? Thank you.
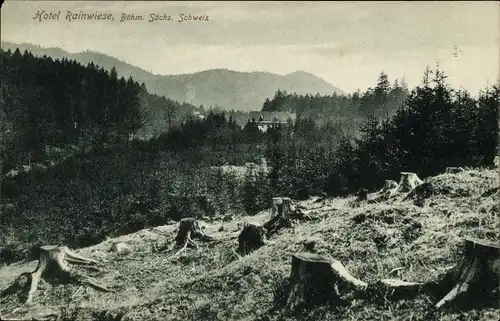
(250, 160)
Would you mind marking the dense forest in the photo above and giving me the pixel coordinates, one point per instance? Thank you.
(54, 107)
(103, 180)
(433, 128)
(348, 111)
(59, 104)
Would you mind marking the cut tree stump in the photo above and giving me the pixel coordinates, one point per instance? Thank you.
(454, 170)
(389, 189)
(277, 201)
(362, 195)
(322, 197)
(283, 212)
(189, 229)
(251, 238)
(282, 219)
(408, 182)
(475, 280)
(316, 280)
(120, 248)
(53, 265)
(496, 161)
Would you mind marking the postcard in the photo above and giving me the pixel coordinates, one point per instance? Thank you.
(249, 160)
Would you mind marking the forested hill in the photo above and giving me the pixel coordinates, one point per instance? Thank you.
(245, 91)
(226, 89)
(62, 105)
(380, 102)
(123, 69)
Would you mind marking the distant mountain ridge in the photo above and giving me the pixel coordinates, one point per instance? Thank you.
(223, 88)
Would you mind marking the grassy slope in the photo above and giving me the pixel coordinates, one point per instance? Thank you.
(212, 284)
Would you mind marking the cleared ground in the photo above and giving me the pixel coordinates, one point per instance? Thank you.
(415, 240)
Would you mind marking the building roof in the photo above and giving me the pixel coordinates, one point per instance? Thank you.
(271, 116)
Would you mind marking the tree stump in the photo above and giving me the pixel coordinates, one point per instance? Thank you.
(53, 265)
(454, 170)
(251, 168)
(362, 195)
(316, 280)
(251, 238)
(408, 182)
(496, 161)
(389, 189)
(282, 219)
(277, 201)
(389, 186)
(322, 197)
(7, 255)
(189, 229)
(120, 248)
(310, 243)
(475, 280)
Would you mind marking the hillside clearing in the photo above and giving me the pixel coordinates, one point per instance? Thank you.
(416, 239)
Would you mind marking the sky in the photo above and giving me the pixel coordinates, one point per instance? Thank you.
(346, 43)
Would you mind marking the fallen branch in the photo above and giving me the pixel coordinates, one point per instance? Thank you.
(394, 289)
(45, 317)
(396, 270)
(235, 253)
(454, 170)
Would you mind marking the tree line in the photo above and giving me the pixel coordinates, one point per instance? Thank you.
(60, 105)
(63, 104)
(347, 111)
(433, 128)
